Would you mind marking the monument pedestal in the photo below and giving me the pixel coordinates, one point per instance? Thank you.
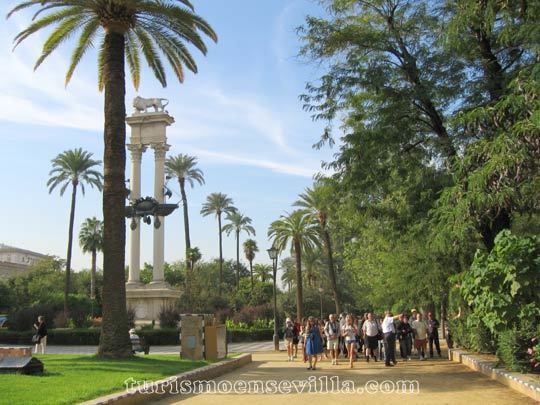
(147, 300)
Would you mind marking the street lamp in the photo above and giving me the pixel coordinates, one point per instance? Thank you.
(273, 254)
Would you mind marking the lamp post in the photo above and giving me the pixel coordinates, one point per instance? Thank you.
(273, 253)
(320, 298)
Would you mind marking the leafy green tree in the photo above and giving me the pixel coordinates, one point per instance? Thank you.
(73, 168)
(502, 288)
(318, 201)
(246, 295)
(126, 29)
(183, 167)
(217, 204)
(237, 224)
(91, 241)
(298, 230)
(250, 248)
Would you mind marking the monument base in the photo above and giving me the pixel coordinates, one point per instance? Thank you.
(147, 300)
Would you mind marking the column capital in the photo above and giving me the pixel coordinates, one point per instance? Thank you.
(160, 150)
(136, 150)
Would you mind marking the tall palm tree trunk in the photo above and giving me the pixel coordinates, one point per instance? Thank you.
(69, 249)
(299, 293)
(114, 339)
(189, 263)
(93, 275)
(331, 269)
(237, 259)
(186, 216)
(220, 255)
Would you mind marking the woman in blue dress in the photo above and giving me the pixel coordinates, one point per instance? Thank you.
(314, 345)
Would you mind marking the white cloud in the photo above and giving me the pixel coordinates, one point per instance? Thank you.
(295, 170)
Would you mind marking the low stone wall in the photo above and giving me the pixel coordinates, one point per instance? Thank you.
(160, 389)
(522, 383)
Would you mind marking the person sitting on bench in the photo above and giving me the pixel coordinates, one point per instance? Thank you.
(137, 343)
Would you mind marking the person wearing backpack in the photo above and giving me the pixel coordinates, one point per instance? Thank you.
(289, 334)
(332, 332)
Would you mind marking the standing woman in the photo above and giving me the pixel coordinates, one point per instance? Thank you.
(349, 333)
(41, 332)
(370, 329)
(313, 342)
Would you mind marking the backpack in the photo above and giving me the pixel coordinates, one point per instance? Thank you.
(289, 331)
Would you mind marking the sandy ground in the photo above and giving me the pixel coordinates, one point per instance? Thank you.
(439, 381)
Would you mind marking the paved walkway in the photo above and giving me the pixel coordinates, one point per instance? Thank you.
(248, 347)
(439, 382)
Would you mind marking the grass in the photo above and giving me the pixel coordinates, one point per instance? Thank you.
(74, 378)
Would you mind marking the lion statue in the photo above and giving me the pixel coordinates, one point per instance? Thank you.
(143, 104)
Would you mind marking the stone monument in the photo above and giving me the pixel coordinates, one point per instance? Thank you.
(148, 129)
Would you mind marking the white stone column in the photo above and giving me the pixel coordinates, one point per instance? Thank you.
(135, 234)
(160, 150)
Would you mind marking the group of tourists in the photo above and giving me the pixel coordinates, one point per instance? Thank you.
(350, 336)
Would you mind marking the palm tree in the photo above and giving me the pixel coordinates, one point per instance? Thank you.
(289, 272)
(73, 167)
(263, 271)
(316, 202)
(250, 248)
(91, 241)
(237, 224)
(302, 233)
(193, 255)
(125, 29)
(217, 204)
(182, 167)
(312, 266)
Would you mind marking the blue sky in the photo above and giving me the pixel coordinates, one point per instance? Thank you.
(240, 115)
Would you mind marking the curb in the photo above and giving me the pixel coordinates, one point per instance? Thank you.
(160, 389)
(518, 382)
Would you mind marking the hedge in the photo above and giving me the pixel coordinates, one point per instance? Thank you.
(155, 337)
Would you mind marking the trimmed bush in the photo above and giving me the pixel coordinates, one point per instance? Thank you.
(160, 337)
(513, 345)
(154, 337)
(55, 336)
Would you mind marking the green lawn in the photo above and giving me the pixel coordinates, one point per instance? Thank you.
(74, 378)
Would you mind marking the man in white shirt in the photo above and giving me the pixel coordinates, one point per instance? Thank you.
(389, 336)
(332, 332)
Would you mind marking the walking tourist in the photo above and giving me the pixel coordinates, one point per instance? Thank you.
(405, 336)
(296, 338)
(41, 334)
(420, 329)
(370, 330)
(288, 334)
(389, 338)
(349, 332)
(332, 332)
(433, 334)
(313, 342)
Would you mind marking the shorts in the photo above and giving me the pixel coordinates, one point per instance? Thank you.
(295, 340)
(332, 344)
(288, 341)
(419, 343)
(350, 341)
(372, 342)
